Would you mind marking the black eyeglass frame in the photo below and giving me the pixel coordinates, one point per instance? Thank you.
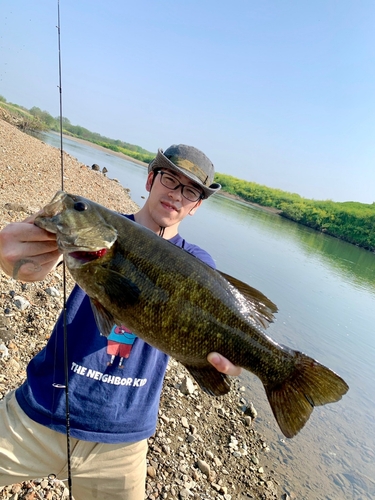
(200, 196)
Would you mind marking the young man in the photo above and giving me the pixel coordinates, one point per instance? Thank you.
(114, 383)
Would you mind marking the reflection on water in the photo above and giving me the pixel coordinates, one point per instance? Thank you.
(324, 289)
(357, 264)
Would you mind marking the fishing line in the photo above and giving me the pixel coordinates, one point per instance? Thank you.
(66, 363)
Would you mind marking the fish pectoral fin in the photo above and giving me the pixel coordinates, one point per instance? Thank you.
(103, 318)
(264, 307)
(210, 380)
(120, 290)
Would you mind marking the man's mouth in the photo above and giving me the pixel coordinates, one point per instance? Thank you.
(169, 206)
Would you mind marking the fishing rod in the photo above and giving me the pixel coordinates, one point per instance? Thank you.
(60, 94)
(66, 364)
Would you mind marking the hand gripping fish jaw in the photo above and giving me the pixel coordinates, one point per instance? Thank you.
(74, 238)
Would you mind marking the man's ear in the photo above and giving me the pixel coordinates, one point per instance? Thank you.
(150, 180)
(195, 207)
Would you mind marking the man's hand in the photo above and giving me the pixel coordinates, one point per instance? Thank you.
(223, 365)
(27, 252)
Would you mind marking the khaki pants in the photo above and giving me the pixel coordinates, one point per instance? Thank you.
(101, 471)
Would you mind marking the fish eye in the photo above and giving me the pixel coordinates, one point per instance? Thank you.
(80, 206)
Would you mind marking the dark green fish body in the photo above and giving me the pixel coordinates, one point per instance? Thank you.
(181, 306)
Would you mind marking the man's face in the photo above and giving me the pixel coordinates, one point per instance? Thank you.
(167, 206)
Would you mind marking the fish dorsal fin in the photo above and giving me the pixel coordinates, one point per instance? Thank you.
(263, 306)
(210, 380)
(103, 318)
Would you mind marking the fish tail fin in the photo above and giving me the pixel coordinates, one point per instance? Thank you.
(310, 384)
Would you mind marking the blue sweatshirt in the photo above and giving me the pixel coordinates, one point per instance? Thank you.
(114, 382)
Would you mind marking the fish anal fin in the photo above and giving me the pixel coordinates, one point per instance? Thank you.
(103, 318)
(311, 384)
(210, 380)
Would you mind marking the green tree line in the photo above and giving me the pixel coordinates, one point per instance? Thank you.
(116, 145)
(350, 221)
(37, 120)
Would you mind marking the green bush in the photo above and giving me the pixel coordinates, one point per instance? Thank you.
(353, 222)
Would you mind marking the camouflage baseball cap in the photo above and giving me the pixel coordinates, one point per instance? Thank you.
(190, 162)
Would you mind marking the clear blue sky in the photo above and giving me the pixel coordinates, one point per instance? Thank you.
(277, 92)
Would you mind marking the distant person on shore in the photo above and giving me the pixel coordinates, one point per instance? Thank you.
(115, 383)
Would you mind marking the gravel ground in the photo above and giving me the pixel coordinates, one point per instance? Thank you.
(204, 448)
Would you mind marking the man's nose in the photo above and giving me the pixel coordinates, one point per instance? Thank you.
(176, 194)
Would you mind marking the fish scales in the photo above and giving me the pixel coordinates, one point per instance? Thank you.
(194, 303)
(168, 298)
(178, 304)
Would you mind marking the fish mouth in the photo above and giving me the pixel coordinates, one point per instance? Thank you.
(85, 256)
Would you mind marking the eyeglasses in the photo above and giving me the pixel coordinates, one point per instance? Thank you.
(189, 192)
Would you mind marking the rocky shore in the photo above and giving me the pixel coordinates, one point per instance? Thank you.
(204, 448)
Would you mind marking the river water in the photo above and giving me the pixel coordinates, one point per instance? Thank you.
(325, 291)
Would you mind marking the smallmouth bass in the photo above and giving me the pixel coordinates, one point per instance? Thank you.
(183, 307)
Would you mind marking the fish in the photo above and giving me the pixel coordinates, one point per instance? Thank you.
(183, 307)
